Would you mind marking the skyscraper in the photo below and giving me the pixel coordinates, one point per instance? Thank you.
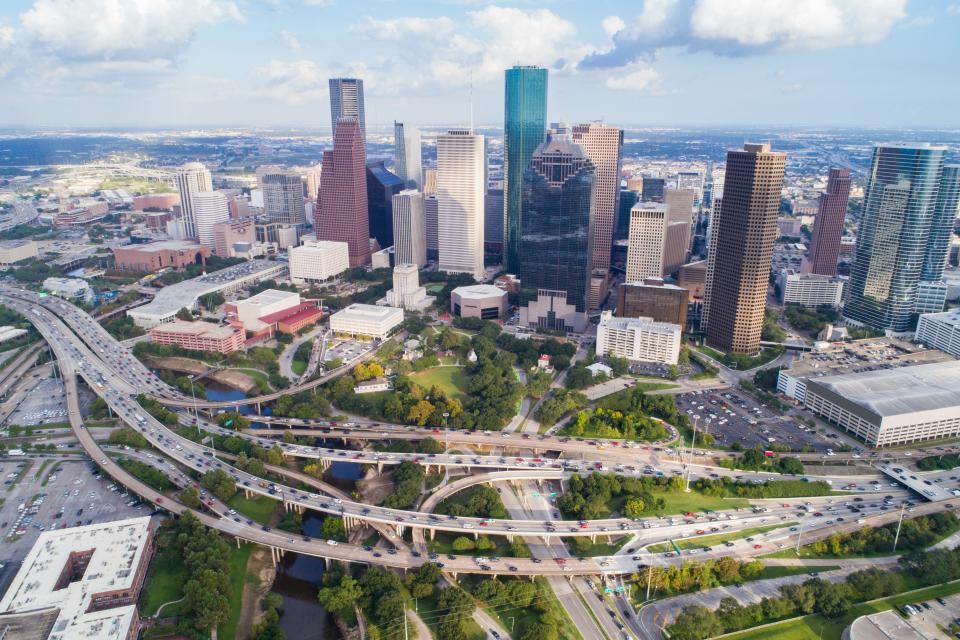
(406, 154)
(627, 199)
(381, 187)
(645, 241)
(283, 198)
(744, 247)
(680, 203)
(192, 178)
(346, 101)
(493, 218)
(828, 225)
(343, 193)
(524, 127)
(554, 248)
(209, 209)
(460, 190)
(409, 228)
(653, 188)
(602, 144)
(941, 226)
(895, 232)
(431, 214)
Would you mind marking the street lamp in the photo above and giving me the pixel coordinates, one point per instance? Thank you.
(693, 442)
(446, 443)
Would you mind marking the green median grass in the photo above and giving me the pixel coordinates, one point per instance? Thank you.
(259, 509)
(719, 538)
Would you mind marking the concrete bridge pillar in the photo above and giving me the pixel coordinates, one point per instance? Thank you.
(593, 538)
(273, 556)
(379, 468)
(476, 535)
(433, 534)
(510, 539)
(258, 409)
(399, 530)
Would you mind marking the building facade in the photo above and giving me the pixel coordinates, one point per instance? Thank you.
(461, 170)
(409, 228)
(382, 186)
(227, 234)
(199, 336)
(940, 331)
(366, 320)
(343, 193)
(407, 158)
(653, 299)
(810, 289)
(638, 339)
(524, 128)
(479, 301)
(746, 231)
(828, 225)
(318, 261)
(283, 198)
(209, 209)
(645, 240)
(193, 177)
(165, 254)
(346, 101)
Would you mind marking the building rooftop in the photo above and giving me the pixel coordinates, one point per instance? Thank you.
(197, 328)
(608, 320)
(894, 392)
(112, 550)
(368, 312)
(477, 291)
(270, 296)
(951, 317)
(13, 244)
(861, 356)
(162, 245)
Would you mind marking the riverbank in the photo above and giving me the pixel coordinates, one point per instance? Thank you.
(228, 377)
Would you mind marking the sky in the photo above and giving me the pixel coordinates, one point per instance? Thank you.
(684, 63)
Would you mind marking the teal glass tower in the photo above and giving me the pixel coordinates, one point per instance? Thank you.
(524, 129)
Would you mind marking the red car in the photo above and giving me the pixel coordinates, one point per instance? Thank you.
(159, 500)
(758, 546)
(483, 524)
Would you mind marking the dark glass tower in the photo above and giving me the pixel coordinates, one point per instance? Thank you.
(894, 235)
(525, 124)
(555, 242)
(382, 185)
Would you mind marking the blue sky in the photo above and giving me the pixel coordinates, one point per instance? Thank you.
(118, 63)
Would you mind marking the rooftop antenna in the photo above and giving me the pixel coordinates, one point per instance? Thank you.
(471, 101)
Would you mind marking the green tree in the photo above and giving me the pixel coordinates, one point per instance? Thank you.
(219, 483)
(340, 599)
(695, 622)
(190, 497)
(184, 314)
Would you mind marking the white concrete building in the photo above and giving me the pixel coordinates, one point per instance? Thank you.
(367, 320)
(940, 331)
(407, 292)
(69, 288)
(483, 301)
(645, 240)
(640, 339)
(318, 261)
(810, 289)
(250, 310)
(209, 208)
(80, 583)
(461, 187)
(193, 177)
(409, 228)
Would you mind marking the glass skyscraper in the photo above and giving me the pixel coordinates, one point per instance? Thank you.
(554, 247)
(941, 227)
(896, 229)
(524, 127)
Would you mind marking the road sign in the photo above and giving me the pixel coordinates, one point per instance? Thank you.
(608, 590)
(536, 494)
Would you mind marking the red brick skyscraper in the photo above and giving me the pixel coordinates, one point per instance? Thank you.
(343, 193)
(828, 225)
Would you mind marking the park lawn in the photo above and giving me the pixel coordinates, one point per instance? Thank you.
(443, 544)
(719, 538)
(598, 548)
(165, 579)
(429, 612)
(453, 380)
(259, 509)
(765, 356)
(816, 627)
(238, 576)
(298, 367)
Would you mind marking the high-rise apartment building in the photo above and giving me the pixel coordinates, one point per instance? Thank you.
(524, 128)
(828, 225)
(743, 252)
(192, 178)
(645, 240)
(343, 193)
(895, 234)
(407, 162)
(209, 209)
(283, 198)
(409, 228)
(461, 166)
(602, 144)
(346, 101)
(381, 187)
(556, 235)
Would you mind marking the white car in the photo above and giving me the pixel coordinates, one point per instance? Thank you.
(332, 543)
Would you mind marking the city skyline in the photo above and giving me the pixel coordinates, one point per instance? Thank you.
(643, 65)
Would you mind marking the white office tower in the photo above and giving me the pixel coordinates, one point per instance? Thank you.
(283, 198)
(712, 231)
(317, 261)
(209, 208)
(645, 241)
(409, 228)
(460, 191)
(192, 178)
(406, 154)
(346, 101)
(407, 292)
(640, 339)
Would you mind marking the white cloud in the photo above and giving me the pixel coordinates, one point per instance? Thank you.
(130, 29)
(405, 28)
(612, 24)
(636, 78)
(953, 9)
(319, 3)
(290, 40)
(291, 81)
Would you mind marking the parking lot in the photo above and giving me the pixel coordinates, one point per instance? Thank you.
(347, 350)
(732, 416)
(73, 494)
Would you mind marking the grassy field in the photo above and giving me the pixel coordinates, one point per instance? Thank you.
(453, 380)
(679, 502)
(806, 551)
(816, 627)
(443, 544)
(136, 185)
(238, 576)
(258, 509)
(707, 541)
(298, 367)
(598, 548)
(262, 379)
(164, 583)
(768, 573)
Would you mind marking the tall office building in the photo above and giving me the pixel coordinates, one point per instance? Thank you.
(941, 226)
(430, 181)
(431, 214)
(283, 198)
(192, 178)
(346, 101)
(743, 249)
(602, 144)
(209, 209)
(407, 161)
(381, 187)
(409, 228)
(461, 166)
(625, 203)
(556, 236)
(343, 193)
(692, 180)
(680, 204)
(493, 218)
(828, 225)
(645, 241)
(895, 232)
(711, 260)
(524, 128)
(653, 188)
